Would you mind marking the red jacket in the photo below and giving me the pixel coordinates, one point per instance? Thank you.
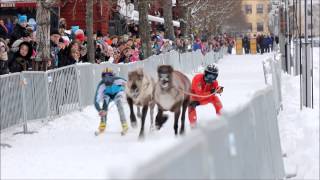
(200, 87)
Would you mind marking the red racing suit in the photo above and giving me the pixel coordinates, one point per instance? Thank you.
(201, 88)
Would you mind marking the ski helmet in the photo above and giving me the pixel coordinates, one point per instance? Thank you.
(211, 73)
(107, 72)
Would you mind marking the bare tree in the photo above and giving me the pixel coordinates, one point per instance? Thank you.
(167, 14)
(43, 58)
(144, 28)
(89, 28)
(208, 14)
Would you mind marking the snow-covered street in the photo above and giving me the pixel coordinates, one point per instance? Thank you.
(67, 148)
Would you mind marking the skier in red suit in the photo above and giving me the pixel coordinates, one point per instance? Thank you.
(205, 87)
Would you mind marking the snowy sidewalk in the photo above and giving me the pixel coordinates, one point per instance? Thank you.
(66, 147)
(299, 130)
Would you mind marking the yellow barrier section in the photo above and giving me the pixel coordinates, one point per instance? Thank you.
(253, 46)
(239, 49)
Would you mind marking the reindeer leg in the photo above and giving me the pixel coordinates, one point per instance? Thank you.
(139, 112)
(151, 116)
(183, 116)
(159, 119)
(176, 120)
(133, 119)
(144, 114)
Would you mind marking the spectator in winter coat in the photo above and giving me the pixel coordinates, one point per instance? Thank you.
(261, 44)
(196, 45)
(246, 44)
(54, 48)
(21, 60)
(62, 54)
(3, 57)
(19, 29)
(4, 32)
(166, 47)
(265, 44)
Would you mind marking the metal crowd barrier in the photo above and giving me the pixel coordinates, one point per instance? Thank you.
(244, 144)
(272, 75)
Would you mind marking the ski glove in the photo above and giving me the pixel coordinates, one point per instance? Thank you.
(194, 104)
(218, 90)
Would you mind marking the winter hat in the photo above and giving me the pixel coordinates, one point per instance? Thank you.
(54, 31)
(80, 37)
(22, 19)
(99, 34)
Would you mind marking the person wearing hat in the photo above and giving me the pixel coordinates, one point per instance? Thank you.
(54, 48)
(19, 29)
(21, 60)
(3, 57)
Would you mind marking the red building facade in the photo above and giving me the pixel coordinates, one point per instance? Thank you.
(75, 14)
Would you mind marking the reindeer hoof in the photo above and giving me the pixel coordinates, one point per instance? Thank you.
(139, 114)
(141, 136)
(152, 128)
(182, 132)
(133, 124)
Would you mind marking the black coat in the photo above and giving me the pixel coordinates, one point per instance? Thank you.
(19, 63)
(4, 67)
(3, 33)
(17, 33)
(64, 58)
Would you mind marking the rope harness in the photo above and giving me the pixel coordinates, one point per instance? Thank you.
(195, 95)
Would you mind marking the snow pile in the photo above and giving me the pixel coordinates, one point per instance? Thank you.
(299, 130)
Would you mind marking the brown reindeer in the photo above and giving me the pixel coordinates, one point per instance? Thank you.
(139, 91)
(170, 94)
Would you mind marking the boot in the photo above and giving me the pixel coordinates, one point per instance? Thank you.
(124, 129)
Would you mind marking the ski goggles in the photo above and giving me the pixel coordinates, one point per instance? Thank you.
(105, 74)
(210, 77)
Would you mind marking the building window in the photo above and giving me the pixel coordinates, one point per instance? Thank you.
(259, 8)
(248, 9)
(260, 27)
(249, 27)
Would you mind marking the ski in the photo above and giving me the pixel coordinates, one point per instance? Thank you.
(97, 133)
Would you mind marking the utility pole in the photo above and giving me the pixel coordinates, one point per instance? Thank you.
(282, 37)
(306, 83)
(288, 44)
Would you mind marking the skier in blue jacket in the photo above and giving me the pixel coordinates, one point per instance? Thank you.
(110, 88)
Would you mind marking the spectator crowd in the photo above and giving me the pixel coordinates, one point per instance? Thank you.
(18, 45)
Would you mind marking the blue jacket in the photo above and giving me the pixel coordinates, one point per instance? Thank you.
(111, 90)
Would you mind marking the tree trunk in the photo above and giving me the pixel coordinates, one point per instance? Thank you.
(167, 14)
(183, 21)
(89, 28)
(43, 37)
(144, 28)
